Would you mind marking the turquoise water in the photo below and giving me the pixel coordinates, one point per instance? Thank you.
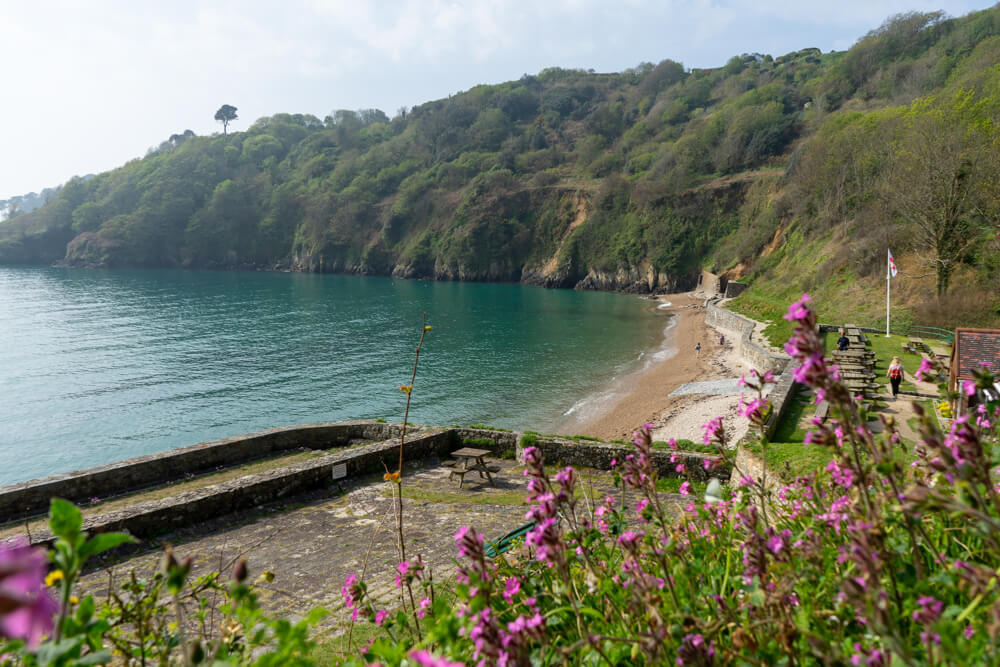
(98, 366)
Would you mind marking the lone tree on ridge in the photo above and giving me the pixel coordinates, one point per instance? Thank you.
(225, 115)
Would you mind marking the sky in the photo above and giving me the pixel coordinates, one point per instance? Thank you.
(91, 84)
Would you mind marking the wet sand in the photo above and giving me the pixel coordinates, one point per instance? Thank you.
(643, 397)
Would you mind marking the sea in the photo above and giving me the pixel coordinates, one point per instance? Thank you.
(102, 365)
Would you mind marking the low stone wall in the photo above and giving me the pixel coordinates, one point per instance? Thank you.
(504, 443)
(757, 356)
(780, 398)
(155, 517)
(598, 455)
(29, 498)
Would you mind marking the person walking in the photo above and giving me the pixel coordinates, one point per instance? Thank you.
(895, 375)
(843, 342)
(697, 349)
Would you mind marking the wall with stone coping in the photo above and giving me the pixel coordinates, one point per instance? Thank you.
(780, 398)
(598, 455)
(757, 356)
(155, 517)
(32, 497)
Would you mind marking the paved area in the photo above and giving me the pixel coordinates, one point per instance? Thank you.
(313, 544)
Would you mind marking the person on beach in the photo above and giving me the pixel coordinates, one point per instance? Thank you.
(843, 342)
(895, 375)
(722, 339)
(697, 349)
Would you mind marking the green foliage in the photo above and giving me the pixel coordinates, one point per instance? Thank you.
(567, 173)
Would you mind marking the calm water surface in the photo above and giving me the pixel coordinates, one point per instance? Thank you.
(98, 366)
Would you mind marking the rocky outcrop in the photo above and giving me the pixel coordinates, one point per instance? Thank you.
(633, 280)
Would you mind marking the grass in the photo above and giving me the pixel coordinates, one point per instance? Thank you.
(789, 460)
(768, 308)
(460, 497)
(484, 427)
(685, 445)
(790, 427)
(673, 485)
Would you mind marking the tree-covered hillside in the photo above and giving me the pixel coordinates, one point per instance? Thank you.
(634, 180)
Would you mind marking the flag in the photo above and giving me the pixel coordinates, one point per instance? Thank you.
(892, 265)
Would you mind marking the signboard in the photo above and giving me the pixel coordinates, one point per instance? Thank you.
(340, 471)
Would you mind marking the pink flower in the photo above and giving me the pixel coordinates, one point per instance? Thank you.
(685, 489)
(511, 588)
(969, 387)
(22, 585)
(424, 605)
(425, 659)
(799, 311)
(380, 616)
(841, 475)
(712, 428)
(929, 611)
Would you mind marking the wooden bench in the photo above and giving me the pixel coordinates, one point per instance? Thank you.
(823, 410)
(455, 468)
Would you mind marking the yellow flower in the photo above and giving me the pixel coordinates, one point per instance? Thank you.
(391, 477)
(53, 577)
(74, 600)
(406, 388)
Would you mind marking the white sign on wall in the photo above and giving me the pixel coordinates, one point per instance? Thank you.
(340, 471)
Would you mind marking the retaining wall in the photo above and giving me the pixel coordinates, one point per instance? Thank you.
(154, 517)
(598, 455)
(754, 354)
(32, 497)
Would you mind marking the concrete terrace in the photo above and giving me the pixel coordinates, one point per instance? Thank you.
(313, 541)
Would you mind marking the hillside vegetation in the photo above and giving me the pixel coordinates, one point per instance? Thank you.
(795, 172)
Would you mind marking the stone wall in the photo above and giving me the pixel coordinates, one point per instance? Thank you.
(734, 289)
(151, 518)
(30, 498)
(598, 455)
(756, 355)
(780, 398)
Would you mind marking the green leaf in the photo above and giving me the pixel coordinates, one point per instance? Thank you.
(50, 652)
(102, 542)
(65, 520)
(95, 658)
(85, 610)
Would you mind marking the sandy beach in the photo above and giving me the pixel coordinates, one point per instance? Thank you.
(644, 396)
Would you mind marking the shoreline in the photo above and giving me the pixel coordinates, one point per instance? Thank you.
(643, 397)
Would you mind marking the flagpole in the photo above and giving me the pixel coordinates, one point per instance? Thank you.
(888, 277)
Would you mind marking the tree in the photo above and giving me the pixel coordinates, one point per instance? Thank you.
(225, 115)
(940, 180)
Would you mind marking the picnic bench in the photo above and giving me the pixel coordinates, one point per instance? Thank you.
(823, 410)
(469, 460)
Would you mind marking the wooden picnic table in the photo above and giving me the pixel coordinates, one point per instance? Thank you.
(469, 460)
